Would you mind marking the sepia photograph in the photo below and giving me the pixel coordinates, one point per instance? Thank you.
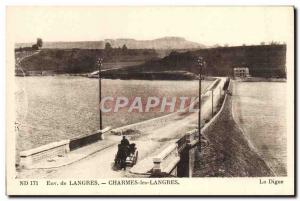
(152, 100)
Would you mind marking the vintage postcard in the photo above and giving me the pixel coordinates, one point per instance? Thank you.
(156, 100)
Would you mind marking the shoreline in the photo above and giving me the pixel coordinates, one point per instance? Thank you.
(122, 77)
(261, 79)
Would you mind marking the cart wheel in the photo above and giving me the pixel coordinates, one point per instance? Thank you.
(136, 157)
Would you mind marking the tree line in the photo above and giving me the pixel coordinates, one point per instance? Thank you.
(38, 45)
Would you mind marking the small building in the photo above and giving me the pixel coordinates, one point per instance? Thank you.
(241, 72)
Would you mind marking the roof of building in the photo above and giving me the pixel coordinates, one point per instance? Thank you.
(240, 68)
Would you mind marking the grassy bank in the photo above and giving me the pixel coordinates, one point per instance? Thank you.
(262, 61)
(61, 61)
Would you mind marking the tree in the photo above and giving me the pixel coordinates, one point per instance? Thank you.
(216, 45)
(124, 48)
(39, 42)
(34, 47)
(108, 46)
(173, 53)
(274, 43)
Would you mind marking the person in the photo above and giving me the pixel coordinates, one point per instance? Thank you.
(123, 151)
(124, 141)
(123, 156)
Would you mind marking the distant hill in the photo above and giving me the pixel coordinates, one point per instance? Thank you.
(160, 43)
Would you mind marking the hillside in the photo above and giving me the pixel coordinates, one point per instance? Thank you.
(262, 61)
(82, 60)
(160, 43)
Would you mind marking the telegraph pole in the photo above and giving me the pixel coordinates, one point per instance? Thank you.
(201, 63)
(212, 103)
(99, 64)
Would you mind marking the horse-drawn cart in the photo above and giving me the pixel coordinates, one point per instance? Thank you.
(127, 155)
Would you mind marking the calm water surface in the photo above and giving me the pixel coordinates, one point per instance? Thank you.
(53, 108)
(262, 111)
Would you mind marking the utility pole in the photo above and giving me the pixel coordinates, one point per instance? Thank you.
(99, 64)
(212, 103)
(201, 63)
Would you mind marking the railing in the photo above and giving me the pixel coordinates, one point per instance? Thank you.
(84, 140)
(193, 138)
(46, 151)
(181, 143)
(166, 161)
(54, 149)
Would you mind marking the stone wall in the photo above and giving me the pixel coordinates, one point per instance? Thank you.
(43, 152)
(56, 149)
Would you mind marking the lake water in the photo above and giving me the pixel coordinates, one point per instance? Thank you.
(262, 112)
(53, 108)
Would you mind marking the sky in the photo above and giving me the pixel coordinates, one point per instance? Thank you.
(205, 25)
